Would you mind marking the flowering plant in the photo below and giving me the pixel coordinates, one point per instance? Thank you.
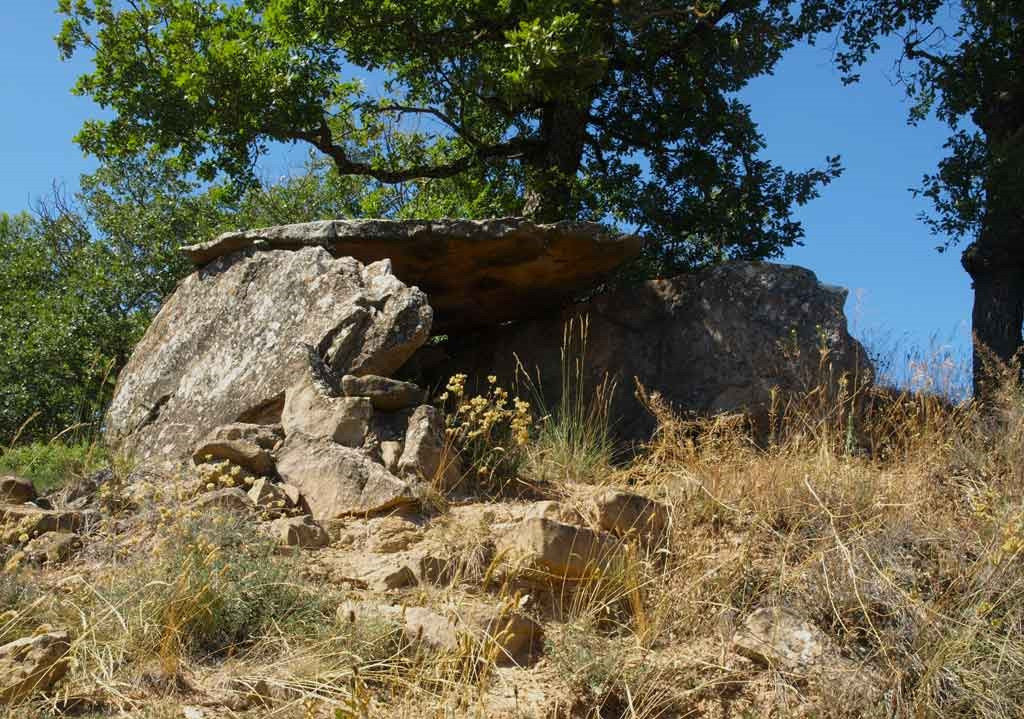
(490, 431)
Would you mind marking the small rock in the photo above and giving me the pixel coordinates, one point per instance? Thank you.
(301, 532)
(232, 499)
(627, 513)
(390, 576)
(515, 638)
(511, 638)
(244, 695)
(53, 547)
(266, 495)
(387, 395)
(292, 493)
(779, 638)
(556, 511)
(392, 534)
(15, 490)
(426, 455)
(434, 631)
(247, 445)
(336, 481)
(552, 551)
(437, 567)
(390, 453)
(33, 664)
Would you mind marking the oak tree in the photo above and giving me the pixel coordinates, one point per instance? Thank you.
(612, 110)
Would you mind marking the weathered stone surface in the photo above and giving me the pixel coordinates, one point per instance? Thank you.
(713, 341)
(301, 532)
(231, 499)
(387, 395)
(32, 665)
(308, 410)
(336, 481)
(388, 535)
(390, 575)
(234, 336)
(53, 547)
(15, 490)
(390, 453)
(477, 272)
(511, 638)
(293, 494)
(779, 638)
(627, 514)
(424, 455)
(431, 629)
(549, 509)
(248, 445)
(269, 496)
(554, 551)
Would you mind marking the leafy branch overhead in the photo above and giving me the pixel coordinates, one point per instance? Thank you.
(592, 109)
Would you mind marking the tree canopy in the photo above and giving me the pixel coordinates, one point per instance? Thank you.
(592, 109)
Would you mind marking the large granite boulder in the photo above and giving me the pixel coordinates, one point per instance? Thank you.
(713, 341)
(477, 273)
(236, 335)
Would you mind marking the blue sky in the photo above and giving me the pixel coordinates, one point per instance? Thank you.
(863, 232)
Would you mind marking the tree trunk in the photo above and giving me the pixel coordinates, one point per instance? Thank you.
(997, 275)
(551, 171)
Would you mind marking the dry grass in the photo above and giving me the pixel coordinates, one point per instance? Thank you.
(892, 521)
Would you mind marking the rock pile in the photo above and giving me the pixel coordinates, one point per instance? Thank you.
(335, 453)
(48, 535)
(235, 335)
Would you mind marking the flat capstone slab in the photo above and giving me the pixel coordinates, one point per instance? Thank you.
(476, 273)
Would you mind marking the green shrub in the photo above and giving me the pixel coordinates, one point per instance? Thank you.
(50, 464)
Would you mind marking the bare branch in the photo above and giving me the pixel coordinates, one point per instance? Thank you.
(323, 140)
(913, 51)
(456, 127)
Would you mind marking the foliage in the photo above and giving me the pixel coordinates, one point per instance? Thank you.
(574, 440)
(622, 112)
(51, 464)
(60, 328)
(81, 278)
(209, 584)
(961, 61)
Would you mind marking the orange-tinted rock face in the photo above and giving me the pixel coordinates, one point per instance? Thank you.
(477, 273)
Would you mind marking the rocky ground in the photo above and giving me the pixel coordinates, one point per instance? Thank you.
(314, 523)
(703, 578)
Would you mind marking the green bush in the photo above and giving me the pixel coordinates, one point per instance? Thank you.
(50, 464)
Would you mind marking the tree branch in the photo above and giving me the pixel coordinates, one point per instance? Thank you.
(457, 128)
(323, 140)
(912, 51)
